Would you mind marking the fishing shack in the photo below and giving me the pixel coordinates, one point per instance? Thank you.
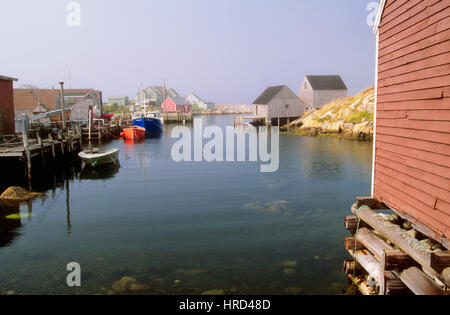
(6, 105)
(401, 234)
(277, 106)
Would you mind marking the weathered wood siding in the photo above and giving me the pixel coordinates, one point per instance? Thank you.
(412, 149)
(285, 104)
(7, 107)
(306, 93)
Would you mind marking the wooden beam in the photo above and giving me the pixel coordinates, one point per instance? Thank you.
(440, 260)
(401, 238)
(369, 263)
(350, 244)
(373, 242)
(419, 283)
(351, 223)
(370, 202)
(350, 266)
(395, 259)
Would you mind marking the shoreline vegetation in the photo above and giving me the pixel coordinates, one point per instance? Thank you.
(349, 118)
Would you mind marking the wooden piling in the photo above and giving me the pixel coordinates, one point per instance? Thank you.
(395, 234)
(26, 147)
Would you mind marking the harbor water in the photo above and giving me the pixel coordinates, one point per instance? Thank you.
(190, 227)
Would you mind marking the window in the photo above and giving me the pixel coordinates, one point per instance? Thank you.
(287, 106)
(304, 85)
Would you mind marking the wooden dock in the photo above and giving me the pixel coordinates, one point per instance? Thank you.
(390, 256)
(38, 154)
(177, 118)
(262, 121)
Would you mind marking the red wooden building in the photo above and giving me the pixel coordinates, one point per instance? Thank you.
(176, 104)
(7, 105)
(412, 136)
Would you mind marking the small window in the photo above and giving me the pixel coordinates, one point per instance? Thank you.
(287, 106)
(304, 85)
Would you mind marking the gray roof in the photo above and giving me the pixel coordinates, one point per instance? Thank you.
(268, 95)
(326, 82)
(5, 78)
(179, 100)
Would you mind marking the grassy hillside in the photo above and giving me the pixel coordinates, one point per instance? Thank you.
(350, 117)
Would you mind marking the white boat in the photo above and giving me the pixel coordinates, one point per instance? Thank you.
(95, 157)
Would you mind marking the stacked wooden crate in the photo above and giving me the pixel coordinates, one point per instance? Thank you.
(390, 257)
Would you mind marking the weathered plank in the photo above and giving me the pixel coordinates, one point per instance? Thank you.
(419, 283)
(395, 234)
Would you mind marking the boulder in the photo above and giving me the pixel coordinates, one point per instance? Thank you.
(19, 194)
(128, 285)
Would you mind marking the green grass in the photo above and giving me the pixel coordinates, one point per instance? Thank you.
(360, 117)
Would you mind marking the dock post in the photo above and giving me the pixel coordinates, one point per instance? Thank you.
(70, 142)
(61, 138)
(42, 149)
(50, 138)
(90, 123)
(28, 157)
(63, 105)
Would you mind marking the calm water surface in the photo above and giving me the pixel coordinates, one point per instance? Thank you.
(186, 228)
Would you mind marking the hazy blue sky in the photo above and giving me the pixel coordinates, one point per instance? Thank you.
(226, 51)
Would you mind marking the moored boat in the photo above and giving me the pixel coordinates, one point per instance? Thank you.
(96, 157)
(150, 124)
(134, 133)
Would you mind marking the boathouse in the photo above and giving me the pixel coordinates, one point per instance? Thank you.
(176, 104)
(278, 105)
(6, 105)
(406, 250)
(154, 95)
(37, 101)
(318, 90)
(194, 100)
(412, 147)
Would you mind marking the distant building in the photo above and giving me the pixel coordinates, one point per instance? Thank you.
(6, 105)
(119, 100)
(36, 101)
(278, 102)
(319, 90)
(154, 95)
(176, 104)
(194, 100)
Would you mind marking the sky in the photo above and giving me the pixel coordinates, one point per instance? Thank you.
(225, 51)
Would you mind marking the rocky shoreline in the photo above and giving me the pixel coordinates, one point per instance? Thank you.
(350, 118)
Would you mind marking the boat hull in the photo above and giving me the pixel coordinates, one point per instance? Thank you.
(134, 133)
(96, 159)
(150, 124)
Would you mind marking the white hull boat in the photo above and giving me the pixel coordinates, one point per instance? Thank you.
(96, 157)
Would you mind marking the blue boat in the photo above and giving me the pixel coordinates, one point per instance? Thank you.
(150, 124)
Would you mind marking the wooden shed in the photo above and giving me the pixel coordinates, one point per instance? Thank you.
(412, 133)
(278, 104)
(319, 90)
(176, 104)
(6, 105)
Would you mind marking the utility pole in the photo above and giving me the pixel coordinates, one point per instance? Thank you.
(164, 96)
(63, 105)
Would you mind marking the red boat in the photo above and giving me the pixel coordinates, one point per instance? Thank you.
(134, 133)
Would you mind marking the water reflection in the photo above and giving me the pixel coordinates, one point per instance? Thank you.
(99, 173)
(191, 227)
(9, 229)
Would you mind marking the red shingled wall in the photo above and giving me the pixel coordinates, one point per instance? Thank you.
(412, 150)
(7, 107)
